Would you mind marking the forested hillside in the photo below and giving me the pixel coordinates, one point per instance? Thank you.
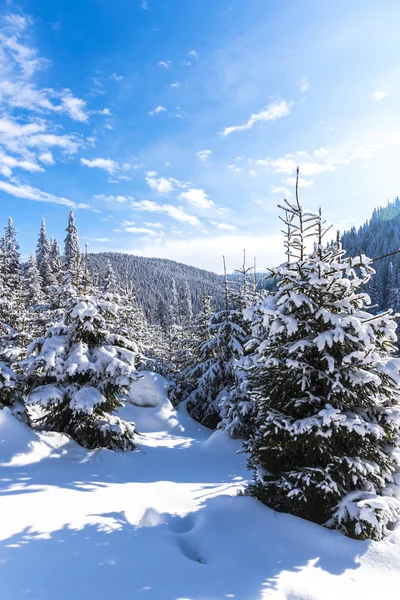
(377, 237)
(153, 278)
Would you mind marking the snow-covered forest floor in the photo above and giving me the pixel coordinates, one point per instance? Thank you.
(164, 522)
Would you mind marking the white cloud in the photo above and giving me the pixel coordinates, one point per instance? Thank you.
(144, 230)
(193, 53)
(330, 161)
(98, 239)
(101, 163)
(160, 184)
(278, 189)
(7, 163)
(164, 63)
(110, 198)
(304, 85)
(321, 152)
(116, 77)
(46, 158)
(175, 212)
(379, 95)
(197, 197)
(225, 226)
(105, 111)
(275, 110)
(302, 182)
(30, 193)
(157, 110)
(74, 107)
(235, 168)
(204, 155)
(175, 84)
(154, 225)
(19, 63)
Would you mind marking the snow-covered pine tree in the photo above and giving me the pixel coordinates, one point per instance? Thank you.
(55, 262)
(72, 252)
(32, 283)
(214, 375)
(12, 314)
(79, 374)
(8, 385)
(393, 289)
(238, 408)
(43, 257)
(132, 322)
(110, 284)
(327, 391)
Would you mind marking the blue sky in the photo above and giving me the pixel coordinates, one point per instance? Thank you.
(174, 128)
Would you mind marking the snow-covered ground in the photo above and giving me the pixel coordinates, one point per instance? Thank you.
(164, 522)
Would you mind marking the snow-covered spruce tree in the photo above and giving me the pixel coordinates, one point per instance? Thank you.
(13, 318)
(327, 392)
(110, 284)
(214, 375)
(55, 262)
(132, 322)
(79, 374)
(72, 252)
(9, 386)
(238, 408)
(43, 257)
(32, 283)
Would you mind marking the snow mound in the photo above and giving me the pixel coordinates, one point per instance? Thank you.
(221, 442)
(149, 390)
(21, 445)
(149, 419)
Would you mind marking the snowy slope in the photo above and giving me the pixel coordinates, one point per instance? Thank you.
(164, 522)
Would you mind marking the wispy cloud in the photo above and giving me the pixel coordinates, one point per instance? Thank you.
(225, 226)
(111, 198)
(164, 63)
(144, 4)
(157, 110)
(100, 240)
(31, 193)
(126, 225)
(283, 191)
(304, 85)
(274, 111)
(7, 163)
(111, 166)
(115, 77)
(160, 184)
(379, 96)
(197, 197)
(204, 155)
(174, 212)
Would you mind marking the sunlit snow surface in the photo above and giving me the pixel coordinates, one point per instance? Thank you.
(164, 522)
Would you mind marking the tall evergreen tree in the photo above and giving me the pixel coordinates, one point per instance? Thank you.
(110, 281)
(79, 374)
(43, 257)
(72, 251)
(214, 374)
(238, 408)
(55, 262)
(327, 391)
(32, 283)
